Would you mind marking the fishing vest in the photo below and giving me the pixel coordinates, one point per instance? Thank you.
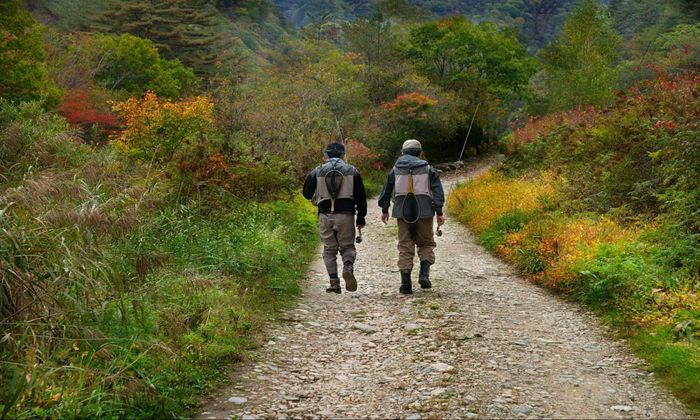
(414, 180)
(421, 181)
(347, 186)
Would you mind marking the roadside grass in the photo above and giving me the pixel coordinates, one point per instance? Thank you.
(675, 362)
(187, 294)
(641, 278)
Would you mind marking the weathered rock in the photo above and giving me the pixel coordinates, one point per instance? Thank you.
(238, 400)
(365, 328)
(437, 391)
(521, 409)
(623, 408)
(442, 367)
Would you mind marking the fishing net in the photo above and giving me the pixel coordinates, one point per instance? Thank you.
(410, 208)
(334, 181)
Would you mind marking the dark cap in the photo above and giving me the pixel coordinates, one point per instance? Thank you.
(335, 150)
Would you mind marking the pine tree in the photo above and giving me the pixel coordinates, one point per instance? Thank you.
(183, 29)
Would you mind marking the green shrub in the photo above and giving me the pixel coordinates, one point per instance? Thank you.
(510, 222)
(620, 277)
(133, 65)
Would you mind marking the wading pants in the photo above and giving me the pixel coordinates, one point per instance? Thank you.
(420, 236)
(337, 235)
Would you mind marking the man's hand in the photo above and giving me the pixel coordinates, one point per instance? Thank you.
(385, 217)
(440, 220)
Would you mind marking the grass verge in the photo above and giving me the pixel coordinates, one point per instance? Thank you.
(640, 278)
(181, 297)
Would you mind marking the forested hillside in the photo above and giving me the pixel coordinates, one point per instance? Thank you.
(151, 153)
(536, 20)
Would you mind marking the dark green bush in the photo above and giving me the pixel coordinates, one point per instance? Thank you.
(510, 222)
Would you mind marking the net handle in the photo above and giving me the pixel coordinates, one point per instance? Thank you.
(333, 198)
(411, 194)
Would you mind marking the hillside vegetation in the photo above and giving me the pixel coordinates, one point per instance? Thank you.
(601, 204)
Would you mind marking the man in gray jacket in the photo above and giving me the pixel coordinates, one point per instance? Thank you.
(415, 188)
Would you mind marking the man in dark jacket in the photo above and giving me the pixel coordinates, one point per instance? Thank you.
(415, 188)
(337, 189)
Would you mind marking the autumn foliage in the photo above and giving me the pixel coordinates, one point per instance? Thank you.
(412, 105)
(362, 156)
(79, 111)
(156, 128)
(530, 127)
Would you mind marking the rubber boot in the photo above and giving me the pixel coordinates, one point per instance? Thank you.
(424, 276)
(349, 277)
(335, 286)
(406, 287)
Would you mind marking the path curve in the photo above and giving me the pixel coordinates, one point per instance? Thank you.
(483, 342)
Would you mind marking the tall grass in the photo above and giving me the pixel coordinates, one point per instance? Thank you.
(119, 295)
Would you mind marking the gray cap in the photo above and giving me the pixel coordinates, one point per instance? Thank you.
(411, 144)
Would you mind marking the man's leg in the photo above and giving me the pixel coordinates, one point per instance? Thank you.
(425, 240)
(330, 250)
(345, 226)
(407, 250)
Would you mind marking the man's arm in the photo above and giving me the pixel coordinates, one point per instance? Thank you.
(360, 196)
(438, 192)
(310, 185)
(387, 191)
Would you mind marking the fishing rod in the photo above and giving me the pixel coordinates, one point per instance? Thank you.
(469, 132)
(341, 138)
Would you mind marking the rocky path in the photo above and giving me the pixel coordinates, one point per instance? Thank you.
(482, 343)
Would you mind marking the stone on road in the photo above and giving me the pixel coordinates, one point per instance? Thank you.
(483, 342)
(442, 367)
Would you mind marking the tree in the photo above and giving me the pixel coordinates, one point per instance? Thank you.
(400, 9)
(371, 37)
(133, 64)
(537, 20)
(183, 29)
(23, 69)
(465, 57)
(580, 65)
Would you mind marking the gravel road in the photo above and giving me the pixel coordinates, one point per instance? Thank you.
(484, 342)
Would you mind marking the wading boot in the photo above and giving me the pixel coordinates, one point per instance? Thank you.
(424, 276)
(349, 277)
(335, 286)
(406, 287)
